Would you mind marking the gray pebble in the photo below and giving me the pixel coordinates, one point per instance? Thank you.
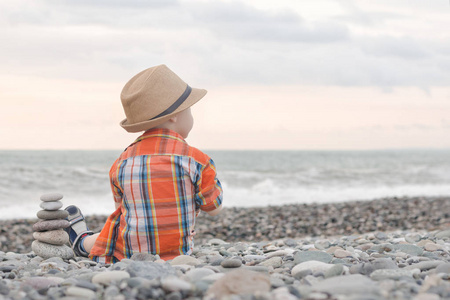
(106, 278)
(149, 270)
(336, 270)
(217, 242)
(50, 225)
(4, 289)
(47, 251)
(443, 268)
(409, 249)
(7, 269)
(424, 265)
(53, 205)
(52, 214)
(303, 256)
(54, 237)
(394, 274)
(51, 197)
(86, 285)
(231, 263)
(141, 256)
(198, 274)
(174, 296)
(384, 263)
(381, 236)
(225, 253)
(322, 244)
(412, 237)
(273, 262)
(349, 285)
(303, 273)
(276, 282)
(443, 234)
(174, 284)
(290, 242)
(80, 292)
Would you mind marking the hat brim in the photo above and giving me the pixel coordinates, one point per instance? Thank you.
(194, 97)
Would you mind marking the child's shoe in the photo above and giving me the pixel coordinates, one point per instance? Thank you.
(77, 230)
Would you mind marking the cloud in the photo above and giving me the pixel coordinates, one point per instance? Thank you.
(244, 22)
(366, 18)
(390, 46)
(135, 4)
(218, 43)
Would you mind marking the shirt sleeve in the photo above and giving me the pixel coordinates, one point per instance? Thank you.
(117, 192)
(208, 190)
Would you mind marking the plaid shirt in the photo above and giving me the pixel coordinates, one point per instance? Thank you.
(162, 184)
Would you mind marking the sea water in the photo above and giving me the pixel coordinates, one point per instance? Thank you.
(249, 178)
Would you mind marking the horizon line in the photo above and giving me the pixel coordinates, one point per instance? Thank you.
(255, 150)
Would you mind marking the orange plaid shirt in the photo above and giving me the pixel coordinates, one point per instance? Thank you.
(161, 184)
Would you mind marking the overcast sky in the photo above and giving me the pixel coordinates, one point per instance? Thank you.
(285, 74)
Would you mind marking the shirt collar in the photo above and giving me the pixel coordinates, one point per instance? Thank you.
(161, 132)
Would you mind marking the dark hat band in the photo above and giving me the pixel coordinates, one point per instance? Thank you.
(176, 104)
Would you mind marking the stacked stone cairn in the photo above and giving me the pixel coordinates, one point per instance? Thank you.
(50, 237)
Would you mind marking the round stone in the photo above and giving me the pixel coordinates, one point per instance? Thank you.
(53, 205)
(45, 250)
(40, 282)
(196, 274)
(424, 265)
(174, 284)
(394, 274)
(443, 268)
(339, 253)
(443, 234)
(80, 292)
(239, 282)
(431, 247)
(322, 244)
(52, 214)
(54, 237)
(356, 286)
(382, 263)
(50, 225)
(283, 252)
(149, 270)
(274, 262)
(231, 263)
(409, 249)
(185, 260)
(107, 277)
(303, 256)
(314, 266)
(51, 197)
(4, 289)
(412, 237)
(336, 270)
(216, 242)
(381, 236)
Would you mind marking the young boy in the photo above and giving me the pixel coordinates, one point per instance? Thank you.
(159, 182)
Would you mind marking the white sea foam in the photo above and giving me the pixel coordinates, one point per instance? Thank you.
(249, 178)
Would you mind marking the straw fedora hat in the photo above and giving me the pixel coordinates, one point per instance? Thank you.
(155, 95)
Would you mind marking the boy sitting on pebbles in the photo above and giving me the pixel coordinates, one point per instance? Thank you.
(159, 182)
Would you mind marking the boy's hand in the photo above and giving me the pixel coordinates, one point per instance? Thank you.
(215, 212)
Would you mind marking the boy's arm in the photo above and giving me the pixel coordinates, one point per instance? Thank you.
(116, 190)
(215, 212)
(209, 190)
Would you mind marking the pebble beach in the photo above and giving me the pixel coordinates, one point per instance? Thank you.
(393, 248)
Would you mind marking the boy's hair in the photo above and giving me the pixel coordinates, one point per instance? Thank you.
(155, 95)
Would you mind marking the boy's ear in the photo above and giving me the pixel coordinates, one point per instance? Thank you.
(173, 119)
